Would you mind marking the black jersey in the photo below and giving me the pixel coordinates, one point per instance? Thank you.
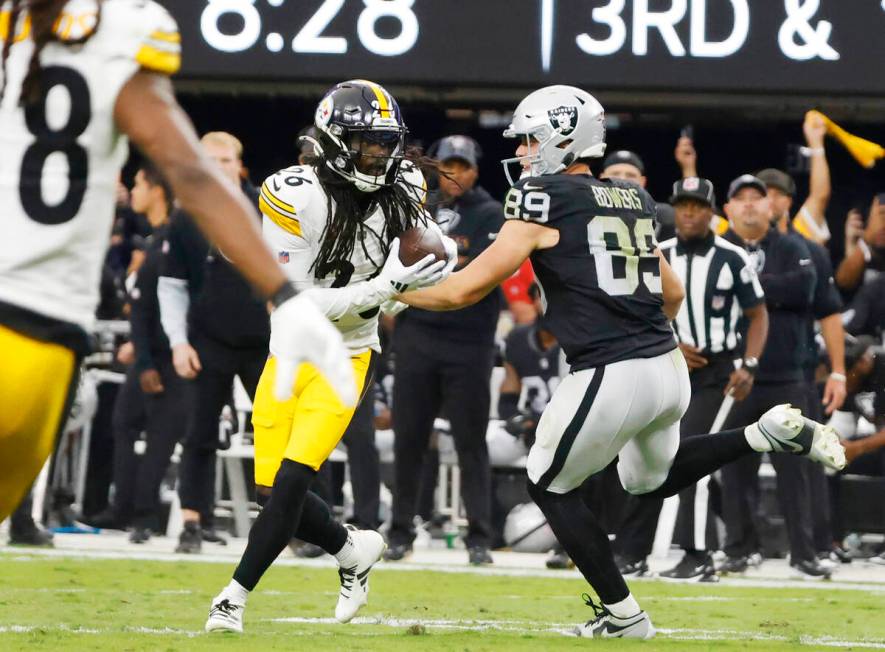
(538, 370)
(601, 283)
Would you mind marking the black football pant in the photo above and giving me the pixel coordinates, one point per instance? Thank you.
(636, 534)
(100, 474)
(209, 392)
(822, 512)
(431, 379)
(162, 417)
(740, 486)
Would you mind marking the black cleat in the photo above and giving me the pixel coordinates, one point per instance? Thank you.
(30, 534)
(693, 568)
(735, 565)
(810, 569)
(211, 535)
(479, 556)
(559, 560)
(139, 535)
(397, 552)
(190, 541)
(632, 568)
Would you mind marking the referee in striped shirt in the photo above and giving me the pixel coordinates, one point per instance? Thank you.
(720, 287)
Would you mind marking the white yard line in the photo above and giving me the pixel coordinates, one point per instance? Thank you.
(513, 626)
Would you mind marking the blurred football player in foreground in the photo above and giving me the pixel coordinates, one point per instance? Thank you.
(77, 78)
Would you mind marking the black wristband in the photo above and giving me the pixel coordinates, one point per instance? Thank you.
(508, 405)
(286, 292)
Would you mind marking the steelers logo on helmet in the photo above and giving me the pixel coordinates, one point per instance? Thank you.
(564, 118)
(361, 134)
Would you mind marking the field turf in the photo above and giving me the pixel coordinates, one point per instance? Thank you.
(122, 605)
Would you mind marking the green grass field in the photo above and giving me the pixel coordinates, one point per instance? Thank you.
(67, 604)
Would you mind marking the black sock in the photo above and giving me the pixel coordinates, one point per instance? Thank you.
(699, 456)
(274, 526)
(580, 534)
(317, 526)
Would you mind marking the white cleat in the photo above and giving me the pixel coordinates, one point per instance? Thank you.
(225, 616)
(607, 625)
(355, 580)
(783, 429)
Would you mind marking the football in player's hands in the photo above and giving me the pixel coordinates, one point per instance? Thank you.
(419, 241)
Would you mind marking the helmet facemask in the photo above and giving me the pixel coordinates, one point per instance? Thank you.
(549, 157)
(367, 157)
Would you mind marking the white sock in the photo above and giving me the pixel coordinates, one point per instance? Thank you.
(347, 556)
(755, 439)
(235, 592)
(626, 608)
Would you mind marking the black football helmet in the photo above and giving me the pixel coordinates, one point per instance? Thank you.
(361, 134)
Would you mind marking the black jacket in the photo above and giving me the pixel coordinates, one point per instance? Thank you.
(223, 306)
(788, 279)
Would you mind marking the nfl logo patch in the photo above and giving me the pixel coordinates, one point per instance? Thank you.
(718, 302)
(692, 183)
(283, 257)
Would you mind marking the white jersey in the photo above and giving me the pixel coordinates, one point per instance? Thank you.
(60, 157)
(295, 209)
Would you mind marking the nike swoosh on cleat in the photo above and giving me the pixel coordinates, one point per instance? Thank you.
(778, 444)
(610, 628)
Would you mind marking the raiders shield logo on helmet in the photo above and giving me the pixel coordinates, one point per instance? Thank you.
(564, 118)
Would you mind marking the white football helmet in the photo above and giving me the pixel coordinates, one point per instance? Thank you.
(567, 123)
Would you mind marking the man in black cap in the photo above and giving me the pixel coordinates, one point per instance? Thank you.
(625, 165)
(826, 309)
(721, 286)
(443, 362)
(628, 166)
(788, 278)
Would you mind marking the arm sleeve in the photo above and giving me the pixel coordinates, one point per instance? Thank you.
(792, 285)
(174, 304)
(140, 319)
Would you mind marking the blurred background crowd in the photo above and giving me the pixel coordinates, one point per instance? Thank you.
(159, 441)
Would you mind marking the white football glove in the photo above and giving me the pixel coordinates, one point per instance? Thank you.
(451, 254)
(300, 332)
(392, 307)
(399, 278)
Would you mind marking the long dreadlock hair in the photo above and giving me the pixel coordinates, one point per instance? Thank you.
(348, 208)
(44, 15)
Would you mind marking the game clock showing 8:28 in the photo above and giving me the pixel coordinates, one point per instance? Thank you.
(237, 25)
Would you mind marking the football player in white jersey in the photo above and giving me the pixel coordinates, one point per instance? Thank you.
(334, 224)
(77, 78)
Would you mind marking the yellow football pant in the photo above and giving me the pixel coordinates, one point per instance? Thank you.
(35, 385)
(307, 427)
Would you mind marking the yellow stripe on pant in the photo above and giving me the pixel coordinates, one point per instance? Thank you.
(35, 384)
(307, 427)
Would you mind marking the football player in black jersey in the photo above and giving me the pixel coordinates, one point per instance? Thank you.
(609, 298)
